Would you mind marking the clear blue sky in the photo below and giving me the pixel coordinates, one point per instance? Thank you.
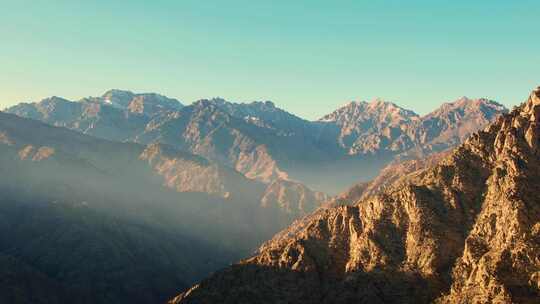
(307, 56)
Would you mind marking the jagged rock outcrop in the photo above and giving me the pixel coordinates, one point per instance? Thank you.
(464, 230)
(501, 257)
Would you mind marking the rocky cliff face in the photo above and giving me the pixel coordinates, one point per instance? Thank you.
(465, 230)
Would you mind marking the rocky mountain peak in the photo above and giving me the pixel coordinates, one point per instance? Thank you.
(52, 102)
(210, 101)
(465, 104)
(263, 114)
(117, 97)
(536, 95)
(519, 133)
(370, 128)
(379, 103)
(142, 103)
(376, 110)
(53, 98)
(118, 93)
(269, 104)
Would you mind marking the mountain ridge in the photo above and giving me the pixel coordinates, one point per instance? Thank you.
(78, 210)
(463, 230)
(266, 143)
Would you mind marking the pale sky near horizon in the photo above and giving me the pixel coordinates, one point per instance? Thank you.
(309, 57)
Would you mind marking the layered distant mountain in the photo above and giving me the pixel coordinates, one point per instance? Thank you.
(266, 143)
(82, 217)
(461, 227)
(384, 128)
(179, 191)
(117, 115)
(97, 221)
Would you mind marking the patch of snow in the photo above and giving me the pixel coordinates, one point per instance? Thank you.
(327, 120)
(112, 104)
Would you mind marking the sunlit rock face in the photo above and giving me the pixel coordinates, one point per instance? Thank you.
(464, 229)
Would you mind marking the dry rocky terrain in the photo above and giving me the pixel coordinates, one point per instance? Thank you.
(465, 229)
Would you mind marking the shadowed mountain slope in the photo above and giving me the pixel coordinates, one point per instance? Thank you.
(104, 221)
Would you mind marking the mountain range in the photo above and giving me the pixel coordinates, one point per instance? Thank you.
(88, 215)
(462, 227)
(138, 191)
(266, 143)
